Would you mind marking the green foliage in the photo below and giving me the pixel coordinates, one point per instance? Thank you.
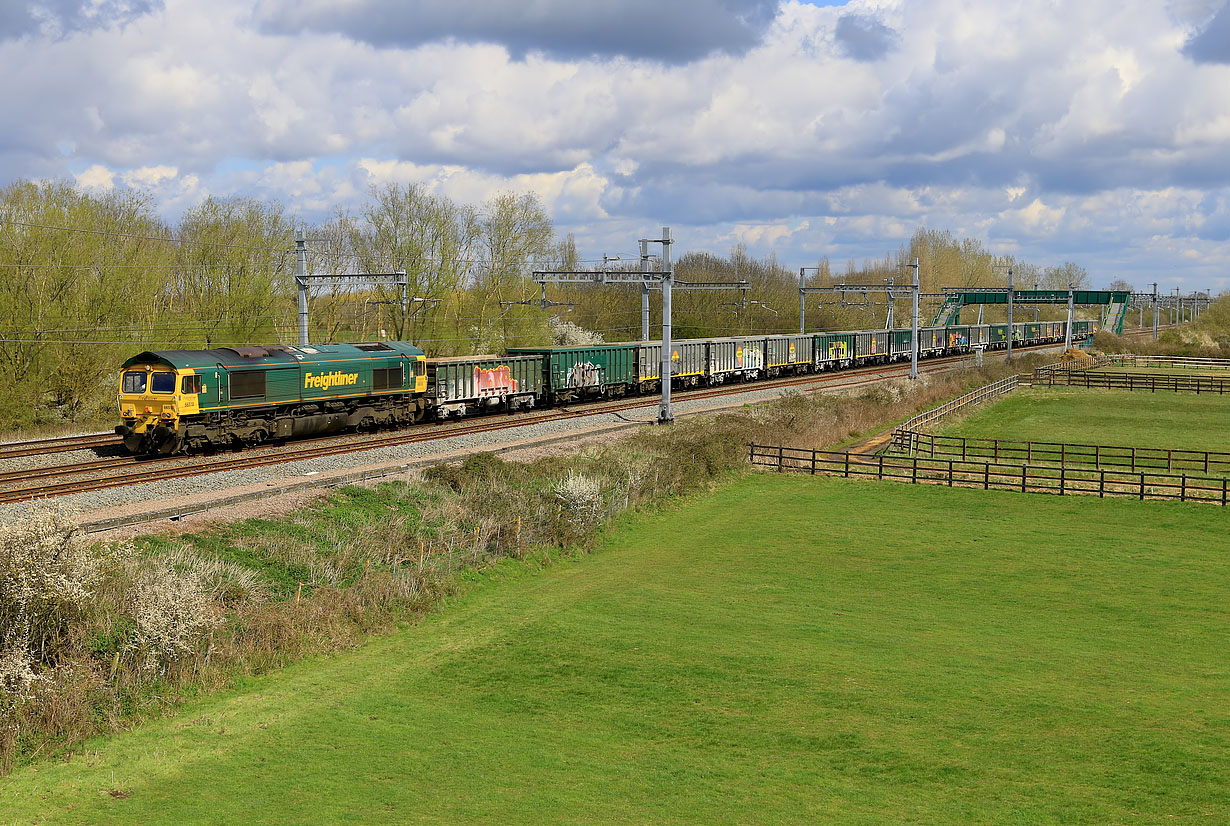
(480, 469)
(87, 280)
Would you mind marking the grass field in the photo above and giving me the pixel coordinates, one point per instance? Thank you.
(788, 650)
(1079, 416)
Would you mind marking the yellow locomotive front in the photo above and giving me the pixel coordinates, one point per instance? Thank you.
(151, 404)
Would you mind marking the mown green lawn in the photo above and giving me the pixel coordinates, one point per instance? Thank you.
(787, 650)
(1080, 416)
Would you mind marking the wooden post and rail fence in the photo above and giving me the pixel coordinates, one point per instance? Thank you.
(1025, 478)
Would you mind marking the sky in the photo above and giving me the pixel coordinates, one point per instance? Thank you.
(1095, 131)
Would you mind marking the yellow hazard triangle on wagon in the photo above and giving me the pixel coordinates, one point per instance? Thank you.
(323, 381)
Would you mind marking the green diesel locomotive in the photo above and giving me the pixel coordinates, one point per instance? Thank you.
(176, 400)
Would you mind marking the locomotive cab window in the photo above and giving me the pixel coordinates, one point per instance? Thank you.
(134, 381)
(420, 367)
(162, 383)
(190, 384)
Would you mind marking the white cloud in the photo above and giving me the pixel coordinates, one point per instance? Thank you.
(96, 177)
(1078, 130)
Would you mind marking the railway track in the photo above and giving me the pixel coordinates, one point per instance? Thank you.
(39, 447)
(121, 471)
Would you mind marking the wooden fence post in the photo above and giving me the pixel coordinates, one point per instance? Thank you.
(781, 462)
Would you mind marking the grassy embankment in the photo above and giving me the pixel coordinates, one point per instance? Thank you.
(787, 650)
(1078, 416)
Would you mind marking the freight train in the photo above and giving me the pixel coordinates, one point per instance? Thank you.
(174, 401)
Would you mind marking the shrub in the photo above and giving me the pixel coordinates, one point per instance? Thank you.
(568, 334)
(17, 675)
(580, 497)
(170, 612)
(48, 574)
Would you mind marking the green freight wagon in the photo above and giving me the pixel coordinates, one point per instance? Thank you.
(468, 384)
(574, 373)
(957, 337)
(833, 350)
(1082, 329)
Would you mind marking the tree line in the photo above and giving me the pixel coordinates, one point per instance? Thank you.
(88, 279)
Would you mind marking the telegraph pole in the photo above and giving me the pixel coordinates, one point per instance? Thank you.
(802, 303)
(1067, 336)
(1010, 303)
(1156, 310)
(300, 274)
(644, 290)
(914, 346)
(665, 414)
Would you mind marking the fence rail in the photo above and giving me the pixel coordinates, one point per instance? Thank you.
(1024, 478)
(989, 391)
(1133, 360)
(1134, 381)
(1070, 365)
(1059, 453)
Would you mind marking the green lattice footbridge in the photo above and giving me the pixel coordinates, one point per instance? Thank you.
(955, 298)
